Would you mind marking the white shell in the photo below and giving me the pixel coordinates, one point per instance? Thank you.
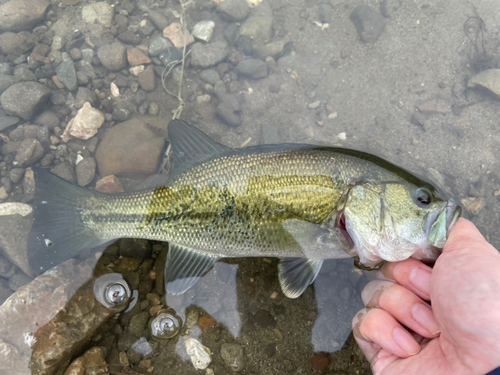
(200, 354)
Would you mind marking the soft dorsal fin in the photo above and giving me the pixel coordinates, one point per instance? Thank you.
(190, 145)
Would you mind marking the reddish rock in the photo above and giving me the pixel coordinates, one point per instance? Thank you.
(206, 321)
(136, 57)
(129, 149)
(320, 362)
(109, 184)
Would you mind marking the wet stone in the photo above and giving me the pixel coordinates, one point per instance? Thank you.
(368, 22)
(24, 99)
(231, 33)
(210, 76)
(159, 45)
(17, 15)
(6, 268)
(259, 29)
(7, 121)
(136, 57)
(233, 357)
(65, 171)
(147, 79)
(85, 171)
(91, 363)
(244, 45)
(102, 12)
(207, 55)
(264, 320)
(203, 30)
(29, 152)
(320, 362)
(5, 292)
(252, 68)
(67, 74)
(6, 81)
(229, 111)
(129, 37)
(234, 10)
(113, 56)
(154, 109)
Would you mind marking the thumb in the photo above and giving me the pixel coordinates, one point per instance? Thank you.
(466, 239)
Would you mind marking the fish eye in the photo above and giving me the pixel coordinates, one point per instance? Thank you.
(423, 197)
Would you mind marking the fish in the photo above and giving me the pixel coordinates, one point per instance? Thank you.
(298, 202)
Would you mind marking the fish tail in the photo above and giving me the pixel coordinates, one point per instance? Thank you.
(58, 232)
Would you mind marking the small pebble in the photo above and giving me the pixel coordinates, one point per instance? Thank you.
(314, 105)
(342, 136)
(154, 109)
(114, 90)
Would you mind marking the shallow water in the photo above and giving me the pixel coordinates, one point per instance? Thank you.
(324, 86)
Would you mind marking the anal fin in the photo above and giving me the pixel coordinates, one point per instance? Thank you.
(184, 267)
(296, 274)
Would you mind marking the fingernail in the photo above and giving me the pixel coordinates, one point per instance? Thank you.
(424, 316)
(405, 341)
(420, 278)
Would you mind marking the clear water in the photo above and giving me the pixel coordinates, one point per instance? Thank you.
(329, 88)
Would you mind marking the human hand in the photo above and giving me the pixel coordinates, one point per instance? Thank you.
(459, 334)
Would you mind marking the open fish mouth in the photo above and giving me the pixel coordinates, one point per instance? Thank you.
(440, 222)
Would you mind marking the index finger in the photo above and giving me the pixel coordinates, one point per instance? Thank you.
(410, 273)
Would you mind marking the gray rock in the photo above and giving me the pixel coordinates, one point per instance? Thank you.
(16, 174)
(18, 280)
(48, 119)
(14, 229)
(5, 292)
(159, 20)
(17, 15)
(47, 160)
(29, 152)
(207, 55)
(29, 185)
(65, 170)
(244, 45)
(7, 269)
(135, 248)
(23, 132)
(233, 357)
(14, 45)
(231, 33)
(252, 68)
(102, 12)
(259, 29)
(24, 73)
(229, 111)
(220, 90)
(24, 99)
(264, 320)
(171, 54)
(138, 323)
(148, 28)
(159, 45)
(368, 22)
(234, 10)
(129, 37)
(7, 121)
(325, 13)
(6, 81)
(488, 79)
(147, 79)
(113, 56)
(83, 95)
(5, 68)
(88, 54)
(273, 49)
(203, 30)
(210, 76)
(67, 74)
(85, 171)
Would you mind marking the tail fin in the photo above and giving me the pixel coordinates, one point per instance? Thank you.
(58, 232)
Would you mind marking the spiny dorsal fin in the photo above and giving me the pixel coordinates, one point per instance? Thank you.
(184, 267)
(190, 145)
(296, 274)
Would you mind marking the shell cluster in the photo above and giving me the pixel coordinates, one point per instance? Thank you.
(112, 291)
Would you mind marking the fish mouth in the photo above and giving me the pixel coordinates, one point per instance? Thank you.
(440, 222)
(341, 224)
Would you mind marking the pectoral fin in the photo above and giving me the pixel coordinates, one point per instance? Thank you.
(296, 274)
(184, 267)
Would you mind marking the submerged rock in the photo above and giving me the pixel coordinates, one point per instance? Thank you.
(233, 356)
(234, 10)
(177, 35)
(113, 56)
(129, 148)
(69, 331)
(17, 15)
(203, 30)
(92, 362)
(102, 12)
(85, 124)
(33, 306)
(368, 22)
(24, 99)
(488, 79)
(207, 55)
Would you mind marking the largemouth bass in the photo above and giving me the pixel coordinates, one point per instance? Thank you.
(301, 203)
